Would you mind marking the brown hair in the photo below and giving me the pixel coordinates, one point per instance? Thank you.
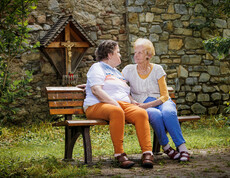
(104, 48)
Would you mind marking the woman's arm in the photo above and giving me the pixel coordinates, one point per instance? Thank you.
(133, 101)
(102, 95)
(164, 95)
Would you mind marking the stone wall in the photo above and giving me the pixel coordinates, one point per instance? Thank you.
(201, 83)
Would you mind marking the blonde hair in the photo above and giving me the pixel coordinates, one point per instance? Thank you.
(147, 44)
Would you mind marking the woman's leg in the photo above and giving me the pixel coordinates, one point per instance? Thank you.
(171, 122)
(157, 123)
(116, 117)
(138, 117)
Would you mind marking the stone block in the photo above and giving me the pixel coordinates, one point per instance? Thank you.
(204, 77)
(161, 48)
(214, 70)
(170, 16)
(216, 96)
(183, 31)
(226, 33)
(173, 75)
(133, 18)
(157, 10)
(154, 37)
(220, 23)
(208, 89)
(190, 97)
(181, 9)
(182, 72)
(41, 19)
(203, 97)
(225, 88)
(191, 81)
(175, 44)
(149, 17)
(213, 110)
(171, 9)
(193, 43)
(194, 74)
(197, 108)
(196, 88)
(155, 29)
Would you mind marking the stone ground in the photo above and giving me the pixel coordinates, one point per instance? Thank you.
(214, 163)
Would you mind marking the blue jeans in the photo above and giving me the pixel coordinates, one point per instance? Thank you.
(164, 118)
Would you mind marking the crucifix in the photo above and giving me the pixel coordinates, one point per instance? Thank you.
(68, 46)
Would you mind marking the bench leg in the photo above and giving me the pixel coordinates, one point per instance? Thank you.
(156, 145)
(71, 136)
(87, 144)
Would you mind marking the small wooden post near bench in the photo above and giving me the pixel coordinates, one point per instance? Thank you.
(68, 101)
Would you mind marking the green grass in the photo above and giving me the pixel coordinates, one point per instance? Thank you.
(37, 150)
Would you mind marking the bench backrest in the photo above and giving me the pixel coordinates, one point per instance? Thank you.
(65, 100)
(69, 100)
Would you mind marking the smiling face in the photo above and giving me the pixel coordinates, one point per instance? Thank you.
(115, 57)
(140, 55)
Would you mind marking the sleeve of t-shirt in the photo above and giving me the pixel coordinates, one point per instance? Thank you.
(160, 72)
(95, 75)
(125, 73)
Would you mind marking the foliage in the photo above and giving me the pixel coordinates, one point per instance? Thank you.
(219, 45)
(37, 150)
(14, 41)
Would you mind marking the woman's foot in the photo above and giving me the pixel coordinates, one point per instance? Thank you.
(147, 160)
(124, 162)
(184, 156)
(172, 154)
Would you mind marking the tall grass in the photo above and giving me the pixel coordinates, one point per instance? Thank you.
(37, 150)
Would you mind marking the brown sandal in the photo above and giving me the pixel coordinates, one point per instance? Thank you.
(147, 160)
(173, 154)
(184, 154)
(124, 161)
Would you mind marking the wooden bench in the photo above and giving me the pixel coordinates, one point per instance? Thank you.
(68, 101)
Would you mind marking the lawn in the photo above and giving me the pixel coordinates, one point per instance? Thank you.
(37, 150)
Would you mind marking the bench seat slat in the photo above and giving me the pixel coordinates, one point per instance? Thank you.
(66, 111)
(65, 103)
(188, 118)
(72, 123)
(64, 95)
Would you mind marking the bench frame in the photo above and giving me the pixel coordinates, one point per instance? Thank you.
(68, 101)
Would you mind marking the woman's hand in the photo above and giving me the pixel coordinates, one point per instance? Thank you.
(144, 105)
(82, 86)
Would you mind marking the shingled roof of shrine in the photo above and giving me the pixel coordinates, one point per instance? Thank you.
(59, 26)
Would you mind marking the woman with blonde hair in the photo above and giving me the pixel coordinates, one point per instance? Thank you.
(149, 91)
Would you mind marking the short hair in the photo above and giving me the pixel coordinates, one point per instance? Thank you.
(147, 44)
(104, 48)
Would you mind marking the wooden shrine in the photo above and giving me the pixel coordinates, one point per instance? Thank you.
(64, 45)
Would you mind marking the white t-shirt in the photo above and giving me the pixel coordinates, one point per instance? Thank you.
(141, 89)
(112, 81)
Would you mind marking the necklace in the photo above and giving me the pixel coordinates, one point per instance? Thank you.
(144, 71)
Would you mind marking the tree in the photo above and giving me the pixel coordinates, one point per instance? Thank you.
(14, 36)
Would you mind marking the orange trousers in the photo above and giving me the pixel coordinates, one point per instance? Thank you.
(117, 117)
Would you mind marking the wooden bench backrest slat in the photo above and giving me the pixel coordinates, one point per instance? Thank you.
(65, 103)
(66, 95)
(66, 111)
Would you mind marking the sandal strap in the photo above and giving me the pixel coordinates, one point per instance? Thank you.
(184, 154)
(172, 155)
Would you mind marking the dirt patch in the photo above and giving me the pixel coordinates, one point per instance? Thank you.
(204, 163)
